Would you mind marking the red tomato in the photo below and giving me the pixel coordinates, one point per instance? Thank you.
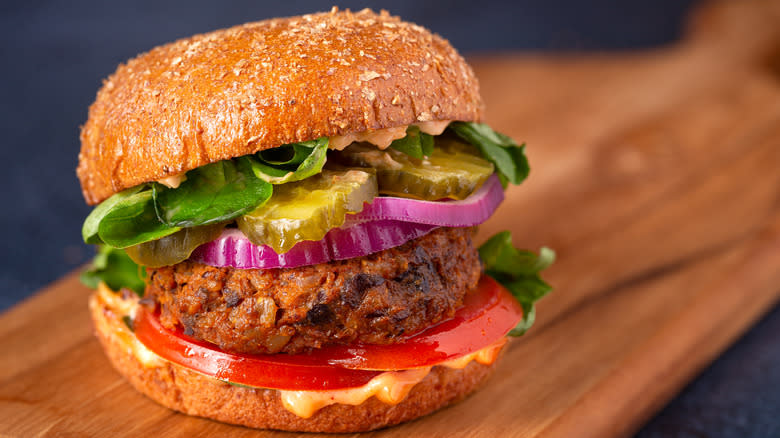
(487, 315)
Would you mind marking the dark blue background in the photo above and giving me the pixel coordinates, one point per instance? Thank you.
(55, 55)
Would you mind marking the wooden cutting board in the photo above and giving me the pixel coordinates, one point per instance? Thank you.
(655, 176)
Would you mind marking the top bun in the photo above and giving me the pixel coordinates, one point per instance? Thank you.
(256, 86)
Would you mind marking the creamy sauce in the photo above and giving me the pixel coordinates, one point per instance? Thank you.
(434, 127)
(390, 387)
(379, 159)
(382, 138)
(115, 308)
(485, 356)
(173, 181)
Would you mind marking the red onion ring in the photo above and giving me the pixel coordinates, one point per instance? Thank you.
(386, 223)
(468, 212)
(233, 249)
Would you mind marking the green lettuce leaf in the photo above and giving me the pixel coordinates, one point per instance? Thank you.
(114, 268)
(133, 220)
(518, 271)
(213, 193)
(416, 144)
(89, 231)
(509, 158)
(290, 162)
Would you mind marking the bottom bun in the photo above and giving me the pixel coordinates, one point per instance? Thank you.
(192, 393)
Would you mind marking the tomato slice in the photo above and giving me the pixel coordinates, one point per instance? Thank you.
(487, 315)
(280, 371)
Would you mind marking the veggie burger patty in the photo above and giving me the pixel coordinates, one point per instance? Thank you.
(232, 170)
(374, 299)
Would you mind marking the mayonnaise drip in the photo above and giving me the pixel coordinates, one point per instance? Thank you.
(390, 387)
(382, 138)
(116, 308)
(173, 181)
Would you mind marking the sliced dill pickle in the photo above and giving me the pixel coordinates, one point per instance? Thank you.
(308, 209)
(454, 169)
(174, 248)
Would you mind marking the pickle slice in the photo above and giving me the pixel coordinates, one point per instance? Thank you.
(454, 169)
(174, 248)
(308, 209)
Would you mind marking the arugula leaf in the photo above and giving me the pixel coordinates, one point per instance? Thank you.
(518, 271)
(290, 154)
(114, 268)
(290, 162)
(509, 158)
(89, 231)
(416, 144)
(213, 193)
(132, 221)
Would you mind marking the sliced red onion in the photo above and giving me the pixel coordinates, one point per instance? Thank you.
(370, 237)
(468, 212)
(233, 249)
(386, 223)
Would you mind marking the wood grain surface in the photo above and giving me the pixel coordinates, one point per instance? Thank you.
(655, 176)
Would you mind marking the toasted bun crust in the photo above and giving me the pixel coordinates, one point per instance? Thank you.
(192, 393)
(236, 91)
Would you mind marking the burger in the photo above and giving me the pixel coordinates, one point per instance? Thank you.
(285, 213)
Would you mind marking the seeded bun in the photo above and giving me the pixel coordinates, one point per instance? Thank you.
(236, 91)
(186, 391)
